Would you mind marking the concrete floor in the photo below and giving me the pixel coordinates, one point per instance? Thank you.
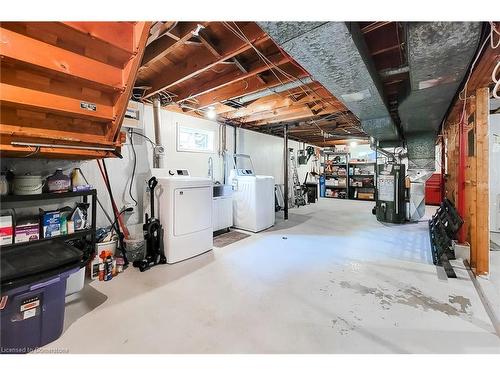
(490, 286)
(330, 280)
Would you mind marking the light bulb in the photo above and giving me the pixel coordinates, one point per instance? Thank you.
(210, 113)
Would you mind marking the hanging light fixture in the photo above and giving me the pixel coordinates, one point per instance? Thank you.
(210, 113)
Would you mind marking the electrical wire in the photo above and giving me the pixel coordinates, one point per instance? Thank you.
(98, 200)
(124, 233)
(143, 136)
(37, 149)
(133, 169)
(494, 31)
(286, 74)
(496, 88)
(290, 77)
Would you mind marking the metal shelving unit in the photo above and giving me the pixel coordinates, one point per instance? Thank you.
(368, 181)
(335, 167)
(12, 201)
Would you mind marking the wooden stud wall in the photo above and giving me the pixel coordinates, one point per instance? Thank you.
(475, 189)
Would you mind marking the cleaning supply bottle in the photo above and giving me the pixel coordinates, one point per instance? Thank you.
(58, 182)
(101, 270)
(108, 269)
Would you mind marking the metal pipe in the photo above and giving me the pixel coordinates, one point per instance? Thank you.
(156, 123)
(443, 168)
(62, 146)
(235, 151)
(462, 147)
(224, 152)
(285, 166)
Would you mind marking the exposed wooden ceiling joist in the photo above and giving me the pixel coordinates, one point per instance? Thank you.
(203, 59)
(222, 68)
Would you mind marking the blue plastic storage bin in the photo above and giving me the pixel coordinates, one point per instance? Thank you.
(33, 314)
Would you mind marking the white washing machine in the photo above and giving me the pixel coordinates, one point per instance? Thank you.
(184, 207)
(253, 196)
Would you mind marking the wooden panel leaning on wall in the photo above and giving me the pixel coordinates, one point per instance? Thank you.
(66, 85)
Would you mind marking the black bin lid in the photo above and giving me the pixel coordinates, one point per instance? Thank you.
(36, 258)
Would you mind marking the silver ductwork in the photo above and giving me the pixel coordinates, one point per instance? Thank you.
(335, 54)
(439, 54)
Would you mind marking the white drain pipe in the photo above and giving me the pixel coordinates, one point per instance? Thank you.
(159, 150)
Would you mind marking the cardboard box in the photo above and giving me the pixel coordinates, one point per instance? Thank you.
(51, 224)
(365, 195)
(27, 232)
(6, 230)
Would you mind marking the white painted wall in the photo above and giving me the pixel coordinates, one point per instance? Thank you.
(266, 152)
(195, 162)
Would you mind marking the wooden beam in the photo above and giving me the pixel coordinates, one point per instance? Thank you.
(141, 31)
(34, 52)
(62, 35)
(203, 87)
(281, 113)
(303, 115)
(53, 135)
(244, 87)
(386, 49)
(165, 45)
(239, 65)
(205, 40)
(374, 26)
(482, 173)
(201, 61)
(160, 29)
(115, 33)
(21, 97)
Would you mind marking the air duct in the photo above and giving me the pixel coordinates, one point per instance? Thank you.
(335, 54)
(439, 54)
(273, 90)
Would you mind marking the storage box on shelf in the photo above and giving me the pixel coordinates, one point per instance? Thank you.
(362, 180)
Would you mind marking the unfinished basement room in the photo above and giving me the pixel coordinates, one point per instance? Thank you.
(249, 186)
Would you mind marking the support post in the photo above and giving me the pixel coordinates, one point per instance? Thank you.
(285, 166)
(482, 182)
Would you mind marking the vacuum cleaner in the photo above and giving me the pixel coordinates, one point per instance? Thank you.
(153, 235)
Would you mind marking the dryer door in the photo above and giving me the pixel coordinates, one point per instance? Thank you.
(192, 210)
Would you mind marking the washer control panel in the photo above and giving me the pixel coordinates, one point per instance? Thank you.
(178, 172)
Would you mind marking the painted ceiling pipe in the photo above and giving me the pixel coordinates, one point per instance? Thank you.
(157, 123)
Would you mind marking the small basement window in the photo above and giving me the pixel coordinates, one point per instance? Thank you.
(194, 140)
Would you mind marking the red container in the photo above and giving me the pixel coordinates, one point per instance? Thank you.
(433, 188)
